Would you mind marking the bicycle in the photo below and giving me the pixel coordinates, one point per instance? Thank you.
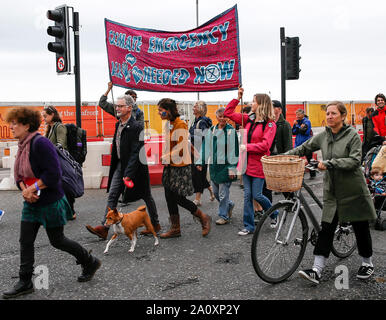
(277, 253)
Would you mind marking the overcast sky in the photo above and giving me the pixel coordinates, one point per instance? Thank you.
(343, 46)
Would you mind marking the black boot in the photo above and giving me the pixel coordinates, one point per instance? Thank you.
(89, 269)
(20, 288)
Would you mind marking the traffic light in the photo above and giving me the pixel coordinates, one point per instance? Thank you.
(292, 58)
(61, 46)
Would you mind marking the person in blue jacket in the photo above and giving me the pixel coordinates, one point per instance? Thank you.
(302, 130)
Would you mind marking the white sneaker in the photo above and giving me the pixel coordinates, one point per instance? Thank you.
(275, 222)
(365, 271)
(244, 232)
(310, 275)
(2, 212)
(222, 221)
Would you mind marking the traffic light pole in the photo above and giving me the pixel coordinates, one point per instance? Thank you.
(77, 69)
(283, 70)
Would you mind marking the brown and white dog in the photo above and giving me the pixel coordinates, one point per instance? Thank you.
(127, 224)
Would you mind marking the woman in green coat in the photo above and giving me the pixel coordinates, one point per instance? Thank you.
(221, 145)
(346, 196)
(56, 131)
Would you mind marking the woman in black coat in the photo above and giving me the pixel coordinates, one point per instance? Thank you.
(197, 133)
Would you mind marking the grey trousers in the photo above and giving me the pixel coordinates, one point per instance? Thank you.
(116, 188)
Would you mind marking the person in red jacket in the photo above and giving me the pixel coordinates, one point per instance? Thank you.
(378, 116)
(256, 140)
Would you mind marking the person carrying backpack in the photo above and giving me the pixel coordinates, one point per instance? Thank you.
(37, 174)
(56, 132)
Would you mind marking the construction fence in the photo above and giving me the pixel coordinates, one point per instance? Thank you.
(99, 124)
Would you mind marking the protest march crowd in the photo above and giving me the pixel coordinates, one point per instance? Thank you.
(228, 152)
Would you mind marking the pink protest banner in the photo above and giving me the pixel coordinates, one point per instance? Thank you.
(203, 59)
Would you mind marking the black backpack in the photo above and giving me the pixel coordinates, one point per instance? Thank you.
(76, 142)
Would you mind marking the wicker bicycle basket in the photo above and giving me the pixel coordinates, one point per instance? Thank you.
(283, 173)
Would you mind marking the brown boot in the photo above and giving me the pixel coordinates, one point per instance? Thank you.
(174, 231)
(100, 231)
(205, 221)
(146, 232)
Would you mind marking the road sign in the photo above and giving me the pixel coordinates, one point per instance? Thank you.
(61, 64)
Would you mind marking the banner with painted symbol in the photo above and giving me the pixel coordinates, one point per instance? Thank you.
(203, 59)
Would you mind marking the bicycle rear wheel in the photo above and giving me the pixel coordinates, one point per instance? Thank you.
(344, 242)
(275, 259)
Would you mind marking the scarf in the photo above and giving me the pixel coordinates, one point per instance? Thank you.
(22, 168)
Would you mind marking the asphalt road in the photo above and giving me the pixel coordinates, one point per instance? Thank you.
(190, 267)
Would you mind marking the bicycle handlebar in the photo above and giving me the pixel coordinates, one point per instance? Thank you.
(313, 165)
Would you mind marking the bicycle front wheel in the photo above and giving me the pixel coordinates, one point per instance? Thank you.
(344, 242)
(276, 253)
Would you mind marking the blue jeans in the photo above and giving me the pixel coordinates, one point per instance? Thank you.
(221, 192)
(253, 188)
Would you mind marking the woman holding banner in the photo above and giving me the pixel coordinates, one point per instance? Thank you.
(177, 173)
(257, 138)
